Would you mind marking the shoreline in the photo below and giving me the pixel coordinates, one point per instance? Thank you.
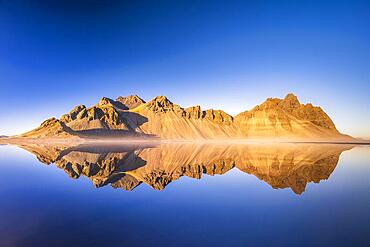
(20, 140)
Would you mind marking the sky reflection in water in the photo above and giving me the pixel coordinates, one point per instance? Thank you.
(42, 206)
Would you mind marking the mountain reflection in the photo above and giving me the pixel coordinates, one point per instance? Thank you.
(157, 165)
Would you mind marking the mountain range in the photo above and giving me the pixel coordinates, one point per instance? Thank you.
(160, 118)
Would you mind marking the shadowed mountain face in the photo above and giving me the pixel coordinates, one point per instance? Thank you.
(157, 165)
(159, 117)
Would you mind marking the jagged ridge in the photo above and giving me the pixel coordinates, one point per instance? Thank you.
(160, 117)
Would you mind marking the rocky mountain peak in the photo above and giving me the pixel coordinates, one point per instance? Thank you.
(290, 101)
(161, 104)
(218, 116)
(50, 122)
(131, 101)
(51, 127)
(161, 99)
(78, 112)
(193, 112)
(291, 98)
(106, 102)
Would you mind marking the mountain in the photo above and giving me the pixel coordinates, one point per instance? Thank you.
(157, 165)
(51, 127)
(131, 116)
(286, 117)
(130, 102)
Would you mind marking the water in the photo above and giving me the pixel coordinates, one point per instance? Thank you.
(185, 195)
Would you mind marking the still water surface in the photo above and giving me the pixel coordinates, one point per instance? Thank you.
(185, 195)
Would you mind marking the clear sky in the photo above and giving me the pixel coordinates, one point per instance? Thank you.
(228, 55)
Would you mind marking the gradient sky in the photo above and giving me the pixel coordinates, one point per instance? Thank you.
(229, 55)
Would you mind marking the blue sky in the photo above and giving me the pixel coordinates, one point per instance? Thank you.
(229, 55)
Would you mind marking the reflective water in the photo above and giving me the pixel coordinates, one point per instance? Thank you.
(183, 194)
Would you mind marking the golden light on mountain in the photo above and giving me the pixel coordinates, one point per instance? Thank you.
(131, 116)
